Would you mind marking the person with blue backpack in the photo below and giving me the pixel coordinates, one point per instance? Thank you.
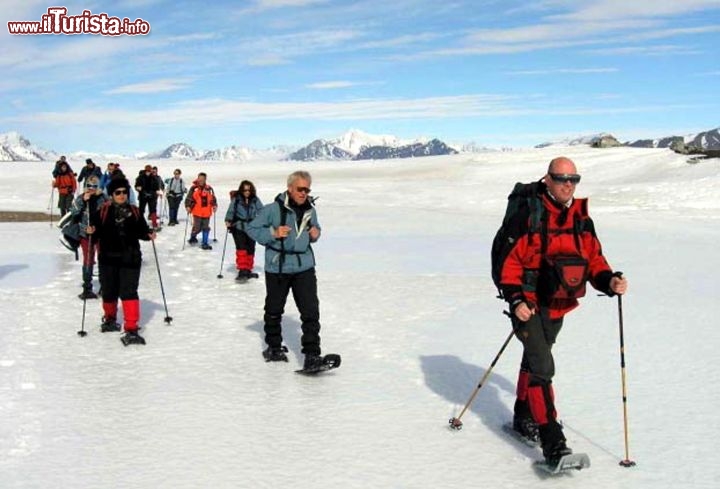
(542, 257)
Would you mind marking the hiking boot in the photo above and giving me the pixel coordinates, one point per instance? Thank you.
(192, 240)
(275, 354)
(109, 325)
(527, 428)
(206, 246)
(313, 362)
(554, 452)
(242, 275)
(87, 294)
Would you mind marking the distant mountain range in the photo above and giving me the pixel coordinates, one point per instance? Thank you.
(352, 145)
(704, 140)
(358, 145)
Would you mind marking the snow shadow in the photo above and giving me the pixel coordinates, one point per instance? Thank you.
(149, 310)
(455, 380)
(8, 269)
(291, 333)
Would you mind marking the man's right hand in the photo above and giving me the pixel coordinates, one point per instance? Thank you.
(523, 312)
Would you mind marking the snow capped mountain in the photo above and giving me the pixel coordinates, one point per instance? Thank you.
(359, 145)
(177, 151)
(575, 141)
(434, 147)
(702, 140)
(14, 147)
(354, 140)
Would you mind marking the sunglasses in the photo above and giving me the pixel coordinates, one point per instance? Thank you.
(303, 190)
(573, 178)
(92, 186)
(121, 191)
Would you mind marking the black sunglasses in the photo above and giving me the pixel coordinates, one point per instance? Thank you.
(120, 191)
(573, 178)
(303, 190)
(92, 186)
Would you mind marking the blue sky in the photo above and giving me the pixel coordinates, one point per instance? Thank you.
(265, 72)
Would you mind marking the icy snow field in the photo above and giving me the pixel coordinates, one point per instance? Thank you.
(406, 298)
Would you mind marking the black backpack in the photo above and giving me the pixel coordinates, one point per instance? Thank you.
(524, 214)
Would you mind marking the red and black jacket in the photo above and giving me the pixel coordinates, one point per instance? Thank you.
(564, 230)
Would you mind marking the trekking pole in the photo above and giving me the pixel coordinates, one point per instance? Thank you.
(50, 206)
(455, 423)
(626, 462)
(86, 259)
(222, 260)
(214, 227)
(168, 319)
(187, 221)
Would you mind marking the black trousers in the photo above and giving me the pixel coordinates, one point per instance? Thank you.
(243, 241)
(118, 281)
(304, 290)
(147, 200)
(538, 336)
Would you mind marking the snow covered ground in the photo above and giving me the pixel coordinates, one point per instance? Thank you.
(406, 298)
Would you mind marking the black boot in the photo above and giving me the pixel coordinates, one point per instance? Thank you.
(553, 443)
(276, 354)
(242, 275)
(109, 325)
(313, 362)
(523, 422)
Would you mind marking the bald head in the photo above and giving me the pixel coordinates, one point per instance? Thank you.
(562, 164)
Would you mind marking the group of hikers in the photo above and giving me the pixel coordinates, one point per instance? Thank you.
(543, 255)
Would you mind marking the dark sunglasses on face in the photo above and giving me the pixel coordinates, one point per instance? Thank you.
(91, 186)
(120, 191)
(303, 190)
(573, 178)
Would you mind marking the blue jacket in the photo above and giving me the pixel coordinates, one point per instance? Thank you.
(105, 179)
(240, 214)
(292, 254)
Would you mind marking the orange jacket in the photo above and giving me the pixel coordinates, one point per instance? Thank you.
(201, 200)
(65, 183)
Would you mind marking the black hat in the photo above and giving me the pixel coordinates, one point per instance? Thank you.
(117, 183)
(88, 161)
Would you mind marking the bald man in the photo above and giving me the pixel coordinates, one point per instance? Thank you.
(542, 278)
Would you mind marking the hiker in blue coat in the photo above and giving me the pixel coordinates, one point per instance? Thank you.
(286, 228)
(244, 206)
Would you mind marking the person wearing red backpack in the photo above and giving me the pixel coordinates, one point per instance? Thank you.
(542, 278)
(118, 226)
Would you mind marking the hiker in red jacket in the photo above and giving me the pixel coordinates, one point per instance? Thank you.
(66, 184)
(541, 278)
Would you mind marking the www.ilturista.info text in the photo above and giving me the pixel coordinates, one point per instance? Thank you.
(56, 21)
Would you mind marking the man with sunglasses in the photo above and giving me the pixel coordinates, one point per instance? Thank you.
(541, 278)
(287, 227)
(175, 191)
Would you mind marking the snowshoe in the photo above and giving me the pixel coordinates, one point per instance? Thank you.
(315, 364)
(109, 325)
(275, 354)
(577, 461)
(132, 338)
